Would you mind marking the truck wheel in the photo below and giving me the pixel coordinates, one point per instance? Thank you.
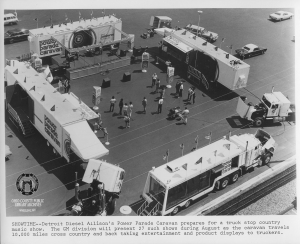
(234, 177)
(175, 211)
(266, 159)
(188, 203)
(224, 183)
(258, 122)
(112, 206)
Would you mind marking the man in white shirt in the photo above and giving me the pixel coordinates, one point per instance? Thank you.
(184, 115)
(112, 104)
(160, 103)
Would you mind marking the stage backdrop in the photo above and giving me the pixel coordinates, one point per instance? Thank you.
(73, 35)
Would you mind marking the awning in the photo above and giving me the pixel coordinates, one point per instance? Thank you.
(84, 142)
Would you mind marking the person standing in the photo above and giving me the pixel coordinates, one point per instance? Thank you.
(162, 93)
(194, 96)
(121, 106)
(180, 89)
(157, 85)
(125, 109)
(130, 110)
(112, 104)
(189, 94)
(154, 77)
(177, 87)
(160, 103)
(144, 103)
(67, 86)
(184, 114)
(127, 121)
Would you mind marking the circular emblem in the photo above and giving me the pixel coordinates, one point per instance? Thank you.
(27, 184)
(78, 38)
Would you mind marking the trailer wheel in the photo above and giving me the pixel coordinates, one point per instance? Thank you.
(234, 177)
(188, 203)
(258, 122)
(112, 206)
(175, 211)
(224, 183)
(266, 159)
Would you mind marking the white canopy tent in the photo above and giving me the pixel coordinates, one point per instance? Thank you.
(84, 142)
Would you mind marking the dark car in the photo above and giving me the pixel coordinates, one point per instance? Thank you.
(250, 50)
(15, 35)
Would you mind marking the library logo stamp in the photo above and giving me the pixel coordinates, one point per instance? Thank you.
(27, 184)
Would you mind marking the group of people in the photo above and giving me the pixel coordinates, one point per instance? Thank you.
(126, 109)
(65, 84)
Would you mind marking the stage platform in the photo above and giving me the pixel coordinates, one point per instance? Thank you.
(90, 65)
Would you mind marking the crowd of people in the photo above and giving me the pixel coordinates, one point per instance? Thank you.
(126, 108)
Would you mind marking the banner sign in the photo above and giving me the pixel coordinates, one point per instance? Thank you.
(96, 95)
(170, 74)
(49, 46)
(170, 71)
(51, 130)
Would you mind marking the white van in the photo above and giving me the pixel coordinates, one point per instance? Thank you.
(10, 19)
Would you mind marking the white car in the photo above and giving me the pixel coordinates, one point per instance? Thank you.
(202, 32)
(281, 15)
(10, 19)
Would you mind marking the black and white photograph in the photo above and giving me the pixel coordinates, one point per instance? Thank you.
(160, 122)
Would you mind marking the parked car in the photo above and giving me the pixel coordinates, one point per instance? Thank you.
(202, 32)
(15, 35)
(10, 19)
(250, 50)
(281, 15)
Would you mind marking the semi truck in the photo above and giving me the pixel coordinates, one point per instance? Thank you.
(105, 181)
(63, 120)
(176, 184)
(273, 107)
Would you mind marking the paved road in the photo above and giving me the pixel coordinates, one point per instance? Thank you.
(142, 146)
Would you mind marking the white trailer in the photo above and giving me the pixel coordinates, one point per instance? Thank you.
(228, 70)
(176, 184)
(61, 118)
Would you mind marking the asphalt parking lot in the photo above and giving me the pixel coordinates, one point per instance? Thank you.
(138, 148)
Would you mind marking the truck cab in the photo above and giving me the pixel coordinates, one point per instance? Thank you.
(273, 106)
(105, 181)
(160, 22)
